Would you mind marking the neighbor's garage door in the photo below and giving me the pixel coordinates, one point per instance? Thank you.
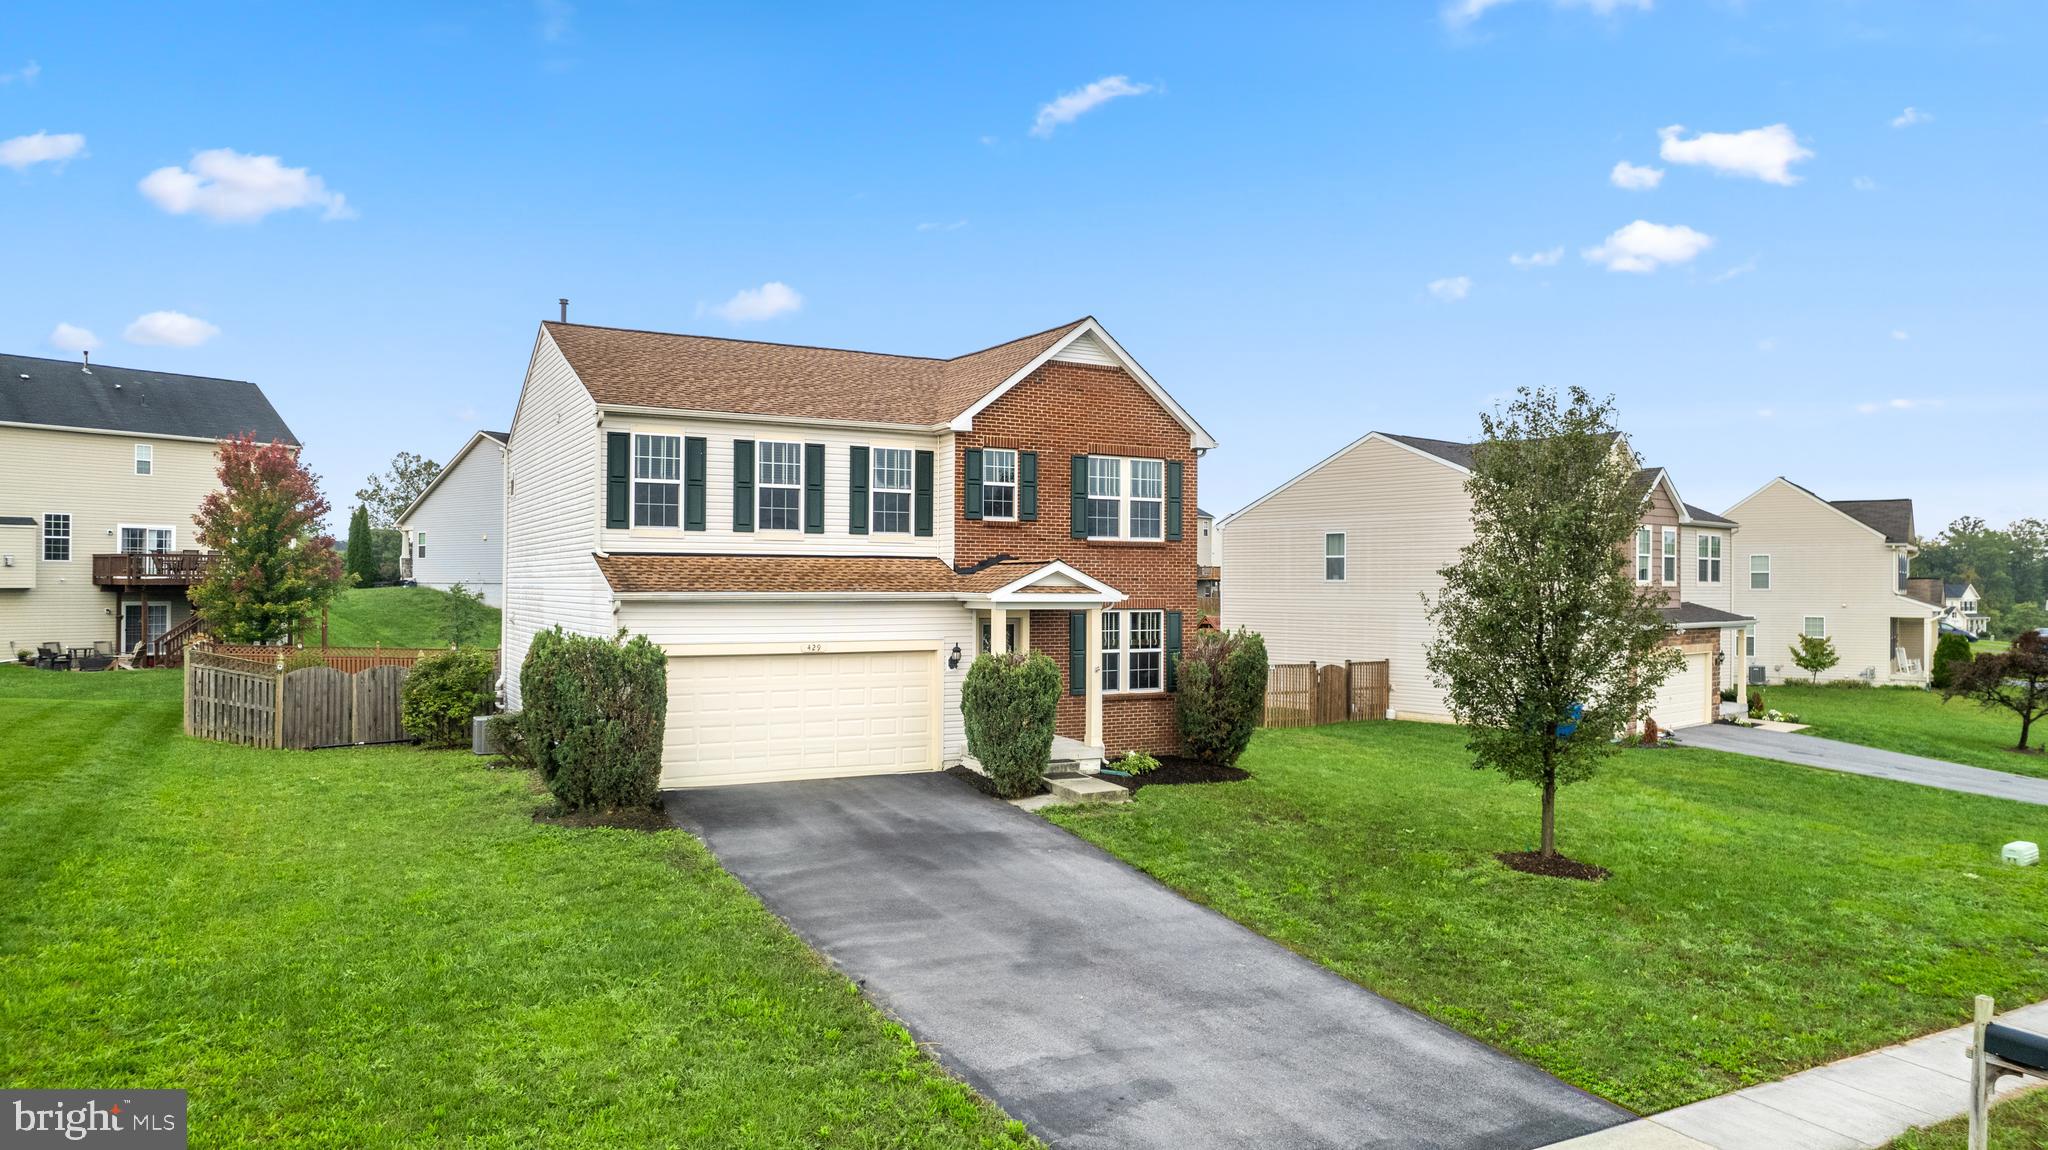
(758, 718)
(1683, 700)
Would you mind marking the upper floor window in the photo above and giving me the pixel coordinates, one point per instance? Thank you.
(1905, 570)
(1148, 499)
(1126, 497)
(1710, 558)
(57, 538)
(1759, 572)
(145, 458)
(998, 483)
(1670, 556)
(891, 486)
(1333, 557)
(781, 486)
(1969, 606)
(1105, 496)
(657, 480)
(1642, 555)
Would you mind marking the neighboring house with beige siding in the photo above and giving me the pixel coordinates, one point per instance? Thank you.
(1838, 569)
(1335, 565)
(455, 530)
(101, 471)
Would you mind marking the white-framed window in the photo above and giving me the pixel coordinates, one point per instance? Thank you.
(998, 483)
(1814, 626)
(1759, 572)
(1126, 497)
(890, 490)
(1670, 556)
(137, 540)
(1334, 547)
(56, 537)
(1642, 555)
(1749, 642)
(1905, 571)
(145, 458)
(1710, 558)
(419, 544)
(1969, 607)
(1133, 651)
(657, 480)
(779, 487)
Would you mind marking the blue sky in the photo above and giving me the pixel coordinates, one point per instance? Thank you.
(1301, 222)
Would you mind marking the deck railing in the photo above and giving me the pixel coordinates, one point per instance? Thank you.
(136, 568)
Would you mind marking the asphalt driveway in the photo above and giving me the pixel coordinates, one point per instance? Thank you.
(1092, 1003)
(1833, 755)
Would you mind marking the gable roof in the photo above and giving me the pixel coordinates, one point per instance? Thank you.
(1450, 451)
(1706, 518)
(63, 393)
(1893, 518)
(500, 438)
(1954, 590)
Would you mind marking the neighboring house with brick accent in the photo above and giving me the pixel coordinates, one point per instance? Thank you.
(455, 529)
(823, 540)
(1334, 564)
(1838, 569)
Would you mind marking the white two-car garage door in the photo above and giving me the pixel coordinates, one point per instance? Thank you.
(761, 718)
(1685, 699)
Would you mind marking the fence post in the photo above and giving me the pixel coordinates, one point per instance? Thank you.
(1981, 1080)
(188, 691)
(277, 714)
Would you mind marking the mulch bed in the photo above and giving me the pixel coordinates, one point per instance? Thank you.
(983, 783)
(1175, 771)
(1530, 862)
(652, 818)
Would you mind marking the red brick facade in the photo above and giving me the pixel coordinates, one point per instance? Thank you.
(1061, 411)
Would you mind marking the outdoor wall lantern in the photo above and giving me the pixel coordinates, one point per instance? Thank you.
(953, 661)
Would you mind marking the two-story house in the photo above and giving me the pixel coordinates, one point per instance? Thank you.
(454, 530)
(1334, 565)
(1963, 606)
(1834, 569)
(101, 471)
(823, 540)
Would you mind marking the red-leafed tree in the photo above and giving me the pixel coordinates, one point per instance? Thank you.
(273, 567)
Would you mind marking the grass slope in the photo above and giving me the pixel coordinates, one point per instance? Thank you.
(400, 617)
(380, 947)
(1916, 723)
(1762, 918)
(2017, 1123)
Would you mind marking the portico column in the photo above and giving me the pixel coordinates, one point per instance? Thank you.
(1738, 658)
(998, 630)
(1093, 731)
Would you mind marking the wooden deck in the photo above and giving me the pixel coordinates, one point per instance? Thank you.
(151, 568)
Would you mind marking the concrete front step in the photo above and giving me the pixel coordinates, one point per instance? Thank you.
(1086, 789)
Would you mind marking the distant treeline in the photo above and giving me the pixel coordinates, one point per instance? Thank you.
(2009, 566)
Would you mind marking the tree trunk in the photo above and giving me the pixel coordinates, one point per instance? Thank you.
(1549, 816)
(2026, 721)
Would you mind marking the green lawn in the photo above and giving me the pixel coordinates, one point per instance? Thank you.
(1762, 918)
(1989, 646)
(1915, 722)
(399, 617)
(380, 947)
(2017, 1123)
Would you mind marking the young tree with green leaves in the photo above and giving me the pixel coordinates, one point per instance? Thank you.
(1814, 654)
(1546, 648)
(273, 568)
(359, 559)
(389, 493)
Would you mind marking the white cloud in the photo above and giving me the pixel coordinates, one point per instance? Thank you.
(1899, 335)
(1644, 247)
(224, 184)
(27, 74)
(1451, 289)
(1896, 405)
(1633, 178)
(21, 152)
(1742, 269)
(1070, 105)
(1459, 13)
(765, 302)
(169, 329)
(1542, 259)
(1910, 117)
(66, 337)
(1765, 154)
(1863, 184)
(954, 226)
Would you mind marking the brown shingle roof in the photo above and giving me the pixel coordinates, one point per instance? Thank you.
(704, 373)
(865, 574)
(1892, 517)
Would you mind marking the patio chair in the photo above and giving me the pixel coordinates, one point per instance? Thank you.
(53, 657)
(1906, 666)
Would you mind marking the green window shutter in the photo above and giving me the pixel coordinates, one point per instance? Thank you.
(972, 495)
(1027, 485)
(694, 449)
(1173, 650)
(1173, 480)
(1079, 528)
(814, 489)
(742, 485)
(921, 517)
(857, 491)
(618, 449)
(1077, 652)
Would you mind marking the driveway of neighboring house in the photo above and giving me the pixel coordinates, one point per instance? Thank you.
(1096, 1005)
(1808, 751)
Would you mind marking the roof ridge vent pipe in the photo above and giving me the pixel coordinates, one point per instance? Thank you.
(564, 301)
(87, 369)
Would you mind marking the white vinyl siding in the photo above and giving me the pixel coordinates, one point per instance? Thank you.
(465, 515)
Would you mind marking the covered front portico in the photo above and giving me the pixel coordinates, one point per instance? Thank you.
(1003, 623)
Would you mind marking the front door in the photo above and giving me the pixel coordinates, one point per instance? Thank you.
(131, 625)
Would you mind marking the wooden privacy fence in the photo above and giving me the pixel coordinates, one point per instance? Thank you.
(233, 699)
(1307, 695)
(349, 659)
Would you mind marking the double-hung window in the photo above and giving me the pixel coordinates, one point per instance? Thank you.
(1710, 558)
(1759, 572)
(145, 458)
(891, 487)
(657, 480)
(781, 486)
(1112, 651)
(1905, 570)
(1126, 497)
(1133, 650)
(1148, 498)
(419, 545)
(1670, 556)
(1642, 555)
(1814, 627)
(1105, 496)
(1334, 545)
(57, 538)
(998, 483)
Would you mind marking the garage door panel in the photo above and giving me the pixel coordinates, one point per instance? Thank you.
(1683, 699)
(746, 718)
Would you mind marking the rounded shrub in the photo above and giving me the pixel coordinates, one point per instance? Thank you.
(301, 659)
(591, 717)
(1949, 651)
(444, 692)
(1222, 695)
(1008, 704)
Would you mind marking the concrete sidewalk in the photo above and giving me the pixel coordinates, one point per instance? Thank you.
(1834, 755)
(1854, 1104)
